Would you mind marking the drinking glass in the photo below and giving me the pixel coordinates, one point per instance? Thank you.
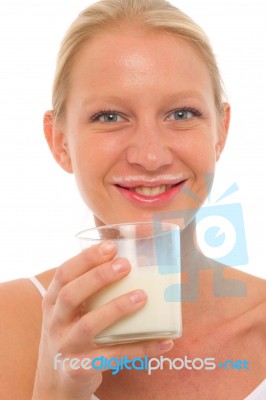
(153, 250)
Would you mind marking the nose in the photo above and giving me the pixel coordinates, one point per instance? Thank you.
(148, 148)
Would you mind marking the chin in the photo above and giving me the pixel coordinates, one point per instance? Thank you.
(126, 218)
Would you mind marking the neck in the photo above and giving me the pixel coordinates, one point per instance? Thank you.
(196, 278)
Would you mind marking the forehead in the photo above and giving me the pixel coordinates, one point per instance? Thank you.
(133, 59)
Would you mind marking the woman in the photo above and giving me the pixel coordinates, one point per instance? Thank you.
(139, 118)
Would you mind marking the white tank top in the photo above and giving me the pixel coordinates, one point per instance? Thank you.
(257, 394)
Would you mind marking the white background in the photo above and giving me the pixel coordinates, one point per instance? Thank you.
(40, 208)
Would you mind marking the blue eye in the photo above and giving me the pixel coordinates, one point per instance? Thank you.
(109, 118)
(184, 114)
(106, 116)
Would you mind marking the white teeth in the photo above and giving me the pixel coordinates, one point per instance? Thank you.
(151, 191)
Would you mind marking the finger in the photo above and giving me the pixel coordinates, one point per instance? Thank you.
(73, 295)
(83, 332)
(131, 351)
(77, 266)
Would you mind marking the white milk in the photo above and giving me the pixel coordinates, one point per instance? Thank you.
(157, 319)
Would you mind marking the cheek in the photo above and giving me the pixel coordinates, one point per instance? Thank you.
(204, 159)
(92, 158)
(87, 154)
(198, 153)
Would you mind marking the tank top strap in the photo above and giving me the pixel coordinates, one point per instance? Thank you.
(38, 285)
(259, 393)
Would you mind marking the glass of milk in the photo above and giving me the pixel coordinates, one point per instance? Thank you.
(153, 250)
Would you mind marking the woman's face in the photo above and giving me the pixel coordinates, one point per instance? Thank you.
(141, 127)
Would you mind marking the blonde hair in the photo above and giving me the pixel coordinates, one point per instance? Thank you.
(150, 14)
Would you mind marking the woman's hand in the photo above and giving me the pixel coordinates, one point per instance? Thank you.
(69, 329)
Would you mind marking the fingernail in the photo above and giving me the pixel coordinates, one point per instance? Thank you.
(166, 345)
(138, 296)
(107, 247)
(120, 266)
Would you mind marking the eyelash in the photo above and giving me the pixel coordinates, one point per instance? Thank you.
(95, 117)
(194, 111)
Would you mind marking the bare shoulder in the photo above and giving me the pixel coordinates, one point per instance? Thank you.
(244, 310)
(20, 327)
(241, 327)
(252, 308)
(257, 291)
(255, 321)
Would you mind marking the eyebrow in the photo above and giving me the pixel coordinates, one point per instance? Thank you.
(187, 94)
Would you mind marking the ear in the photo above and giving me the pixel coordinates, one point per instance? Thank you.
(56, 140)
(223, 130)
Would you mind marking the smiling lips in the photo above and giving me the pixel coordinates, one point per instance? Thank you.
(151, 191)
